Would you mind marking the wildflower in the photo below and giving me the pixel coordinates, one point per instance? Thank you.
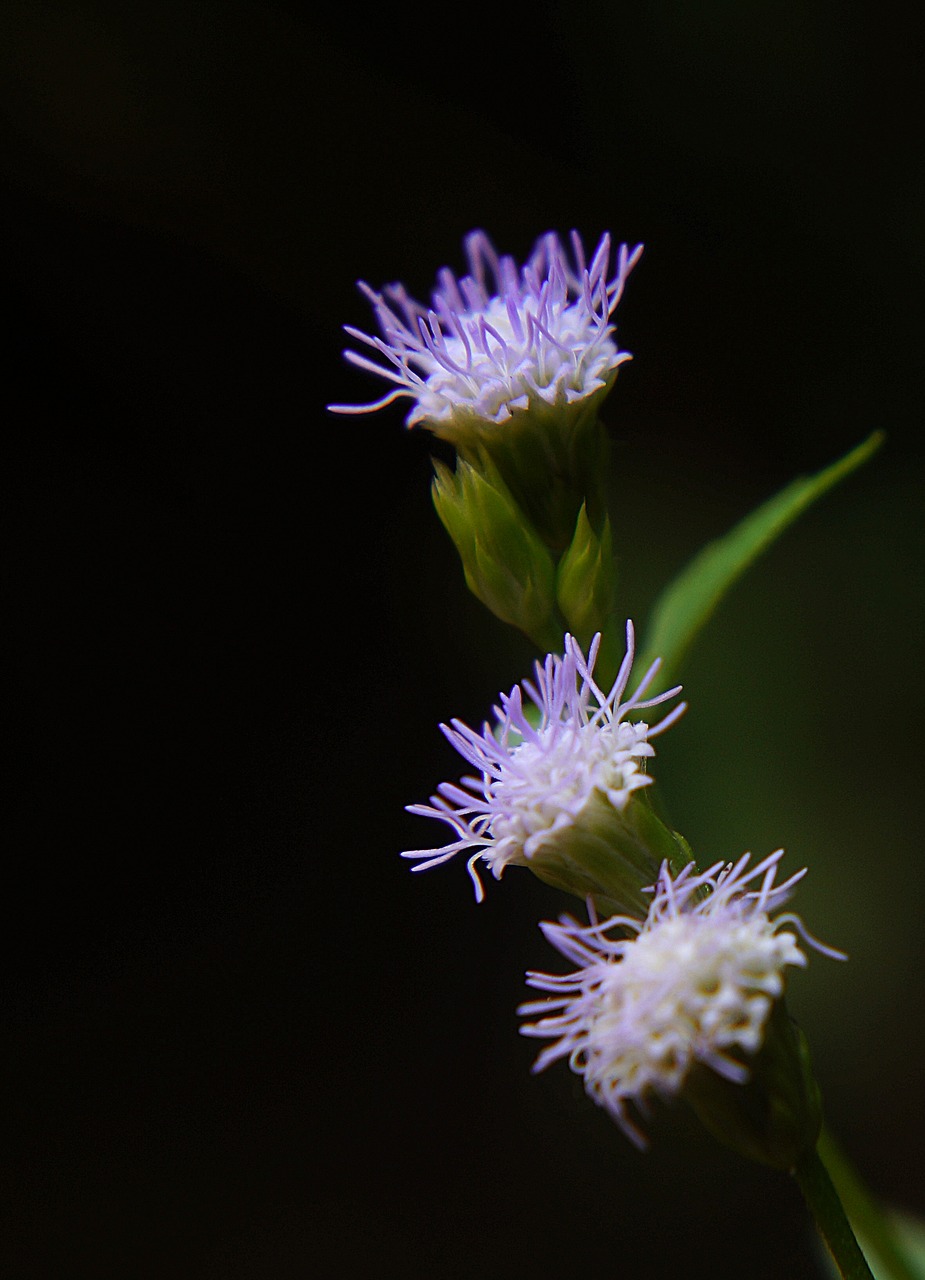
(693, 983)
(556, 781)
(498, 340)
(511, 365)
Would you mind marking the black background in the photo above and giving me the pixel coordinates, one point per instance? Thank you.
(240, 1039)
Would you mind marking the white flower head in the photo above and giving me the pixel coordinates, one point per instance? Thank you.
(499, 340)
(693, 982)
(548, 770)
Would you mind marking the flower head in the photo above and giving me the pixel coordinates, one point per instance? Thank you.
(554, 779)
(499, 340)
(694, 982)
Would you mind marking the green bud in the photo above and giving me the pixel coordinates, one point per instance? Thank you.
(586, 588)
(776, 1115)
(505, 562)
(586, 579)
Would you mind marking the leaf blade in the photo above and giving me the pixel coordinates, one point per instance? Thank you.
(690, 599)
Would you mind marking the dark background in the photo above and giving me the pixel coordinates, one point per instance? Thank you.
(239, 1039)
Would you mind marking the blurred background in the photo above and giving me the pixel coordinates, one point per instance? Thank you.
(240, 1040)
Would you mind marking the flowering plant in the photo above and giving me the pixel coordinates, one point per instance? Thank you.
(679, 985)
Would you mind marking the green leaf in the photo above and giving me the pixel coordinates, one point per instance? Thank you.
(688, 602)
(892, 1242)
(908, 1235)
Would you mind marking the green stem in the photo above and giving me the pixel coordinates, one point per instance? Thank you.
(834, 1227)
(867, 1216)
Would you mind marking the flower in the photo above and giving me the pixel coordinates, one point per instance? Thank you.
(694, 982)
(551, 794)
(498, 341)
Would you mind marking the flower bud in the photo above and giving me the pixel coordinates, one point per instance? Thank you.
(586, 583)
(505, 562)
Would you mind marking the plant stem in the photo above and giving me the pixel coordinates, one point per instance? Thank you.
(867, 1216)
(829, 1215)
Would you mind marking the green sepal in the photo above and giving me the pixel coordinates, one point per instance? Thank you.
(611, 856)
(666, 844)
(687, 603)
(505, 562)
(775, 1117)
(552, 457)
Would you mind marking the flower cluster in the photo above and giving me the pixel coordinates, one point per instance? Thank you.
(680, 988)
(562, 763)
(695, 981)
(499, 340)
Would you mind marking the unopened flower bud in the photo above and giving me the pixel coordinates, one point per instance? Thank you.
(505, 562)
(586, 590)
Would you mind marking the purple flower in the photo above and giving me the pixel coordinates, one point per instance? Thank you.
(499, 340)
(694, 981)
(551, 773)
